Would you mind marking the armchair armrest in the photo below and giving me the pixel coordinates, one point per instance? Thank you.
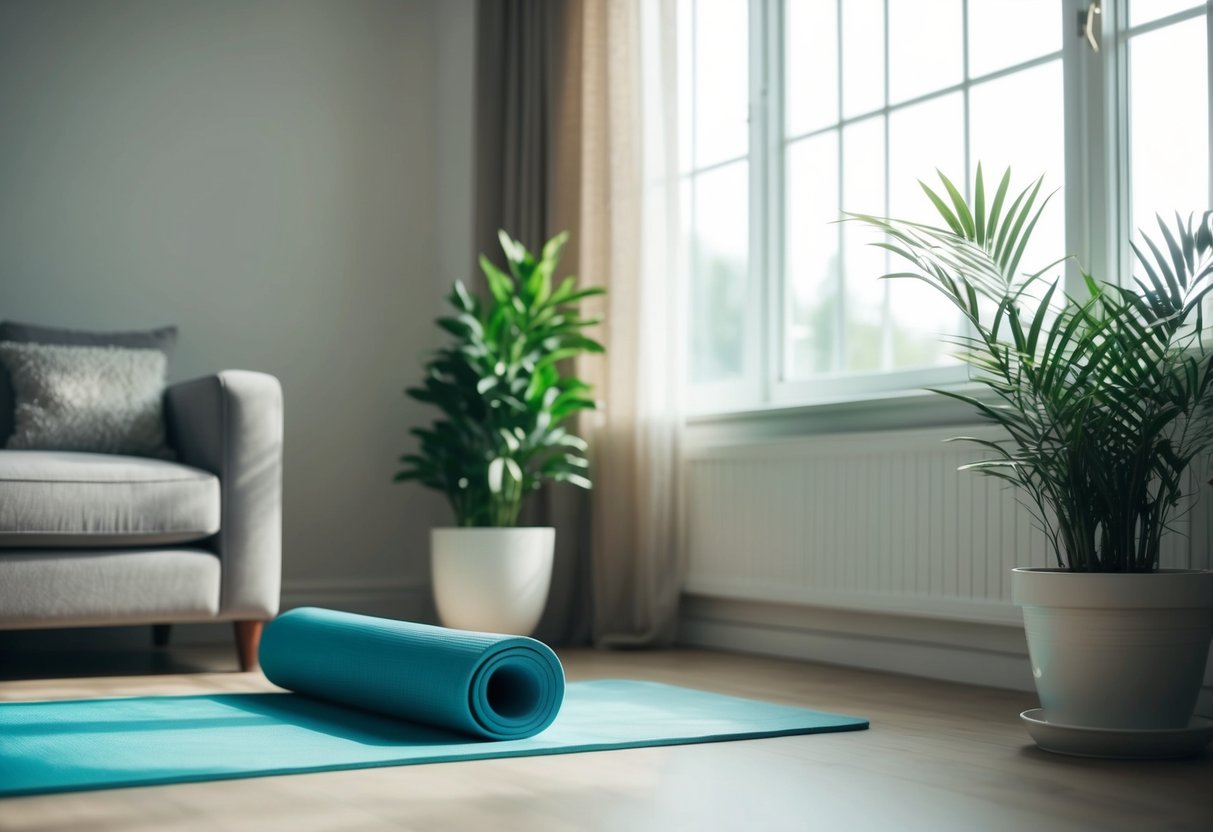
(230, 424)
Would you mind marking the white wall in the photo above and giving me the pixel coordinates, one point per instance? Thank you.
(264, 174)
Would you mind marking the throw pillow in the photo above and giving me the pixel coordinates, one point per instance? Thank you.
(163, 339)
(100, 399)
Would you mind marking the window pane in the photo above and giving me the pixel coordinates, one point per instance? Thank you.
(1168, 123)
(863, 191)
(722, 87)
(811, 256)
(926, 46)
(1143, 11)
(862, 56)
(811, 50)
(921, 138)
(719, 272)
(1003, 33)
(1018, 121)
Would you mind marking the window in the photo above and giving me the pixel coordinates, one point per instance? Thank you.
(1164, 47)
(795, 111)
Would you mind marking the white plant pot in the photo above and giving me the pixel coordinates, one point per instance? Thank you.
(1117, 651)
(492, 580)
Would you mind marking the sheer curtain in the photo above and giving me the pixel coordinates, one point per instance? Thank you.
(576, 130)
(630, 230)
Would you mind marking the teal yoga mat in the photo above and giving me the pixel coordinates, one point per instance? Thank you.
(48, 747)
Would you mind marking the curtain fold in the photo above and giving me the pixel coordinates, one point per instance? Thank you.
(514, 45)
(629, 237)
(577, 131)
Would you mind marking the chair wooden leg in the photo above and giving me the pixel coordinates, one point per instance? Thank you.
(160, 634)
(248, 637)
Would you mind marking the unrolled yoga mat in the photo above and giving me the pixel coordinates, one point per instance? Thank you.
(103, 743)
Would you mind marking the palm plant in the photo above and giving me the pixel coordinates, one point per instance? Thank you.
(1104, 398)
(502, 395)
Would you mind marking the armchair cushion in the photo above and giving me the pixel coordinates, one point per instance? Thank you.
(104, 587)
(69, 500)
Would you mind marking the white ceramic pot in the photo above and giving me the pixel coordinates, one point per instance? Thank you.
(1120, 651)
(492, 580)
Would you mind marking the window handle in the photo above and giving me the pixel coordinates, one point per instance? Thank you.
(1087, 24)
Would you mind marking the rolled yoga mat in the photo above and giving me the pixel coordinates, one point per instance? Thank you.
(492, 686)
(370, 692)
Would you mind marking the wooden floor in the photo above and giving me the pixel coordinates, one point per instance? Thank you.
(937, 757)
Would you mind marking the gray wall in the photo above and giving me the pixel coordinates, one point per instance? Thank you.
(264, 174)
(454, 123)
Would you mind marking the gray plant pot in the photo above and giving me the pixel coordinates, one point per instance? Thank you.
(1117, 651)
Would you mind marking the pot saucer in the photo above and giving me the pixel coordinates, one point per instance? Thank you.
(1119, 743)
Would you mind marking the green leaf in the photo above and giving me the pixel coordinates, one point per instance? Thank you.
(511, 441)
(514, 250)
(1010, 240)
(581, 294)
(495, 474)
(996, 207)
(979, 207)
(575, 479)
(513, 469)
(958, 202)
(555, 247)
(461, 298)
(1013, 265)
(580, 343)
(951, 219)
(500, 285)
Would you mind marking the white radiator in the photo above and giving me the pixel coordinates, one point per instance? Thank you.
(873, 522)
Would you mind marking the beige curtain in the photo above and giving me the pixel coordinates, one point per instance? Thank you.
(583, 137)
(629, 241)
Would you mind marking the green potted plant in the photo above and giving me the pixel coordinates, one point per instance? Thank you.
(503, 402)
(1104, 400)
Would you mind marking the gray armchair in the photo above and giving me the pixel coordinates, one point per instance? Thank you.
(97, 539)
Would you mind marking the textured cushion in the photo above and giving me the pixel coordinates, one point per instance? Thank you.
(163, 339)
(61, 499)
(102, 399)
(123, 586)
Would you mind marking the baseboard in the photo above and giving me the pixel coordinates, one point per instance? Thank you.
(992, 655)
(980, 654)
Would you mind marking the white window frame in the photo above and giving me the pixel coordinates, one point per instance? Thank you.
(1097, 204)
